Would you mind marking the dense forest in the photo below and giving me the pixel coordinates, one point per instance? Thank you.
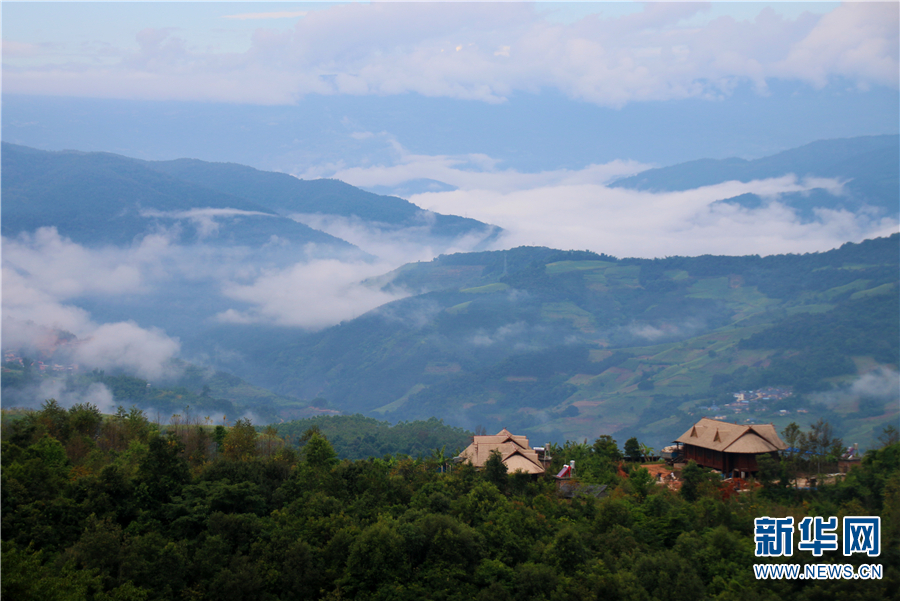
(117, 507)
(359, 437)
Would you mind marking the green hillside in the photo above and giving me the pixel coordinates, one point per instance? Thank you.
(114, 507)
(570, 345)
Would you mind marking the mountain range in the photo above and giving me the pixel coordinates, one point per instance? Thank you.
(572, 344)
(867, 168)
(100, 198)
(559, 344)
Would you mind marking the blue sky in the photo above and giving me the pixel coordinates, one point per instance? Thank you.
(726, 78)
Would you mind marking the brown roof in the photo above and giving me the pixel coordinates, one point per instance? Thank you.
(732, 438)
(515, 452)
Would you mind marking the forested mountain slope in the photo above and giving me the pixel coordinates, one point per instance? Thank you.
(98, 507)
(572, 344)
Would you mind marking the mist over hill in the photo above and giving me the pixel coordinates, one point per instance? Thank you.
(568, 345)
(338, 299)
(856, 173)
(101, 198)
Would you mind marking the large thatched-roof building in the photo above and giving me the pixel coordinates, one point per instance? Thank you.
(515, 452)
(729, 447)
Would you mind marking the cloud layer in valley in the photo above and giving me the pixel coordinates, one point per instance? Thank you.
(578, 209)
(560, 57)
(881, 385)
(309, 295)
(44, 272)
(644, 224)
(47, 279)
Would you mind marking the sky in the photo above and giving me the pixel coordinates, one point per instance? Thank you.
(303, 87)
(524, 112)
(505, 104)
(608, 54)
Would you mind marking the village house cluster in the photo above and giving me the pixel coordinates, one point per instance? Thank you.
(769, 393)
(13, 357)
(754, 401)
(730, 449)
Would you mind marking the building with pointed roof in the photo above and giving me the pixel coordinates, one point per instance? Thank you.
(729, 447)
(515, 452)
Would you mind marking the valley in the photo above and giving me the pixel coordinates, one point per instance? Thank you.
(561, 344)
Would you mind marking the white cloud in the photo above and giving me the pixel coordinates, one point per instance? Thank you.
(96, 394)
(392, 245)
(575, 208)
(204, 219)
(127, 346)
(502, 334)
(883, 382)
(46, 276)
(418, 313)
(666, 330)
(309, 295)
(636, 223)
(857, 40)
(65, 269)
(43, 272)
(25, 303)
(486, 52)
(468, 171)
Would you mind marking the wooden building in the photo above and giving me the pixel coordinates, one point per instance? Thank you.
(727, 447)
(515, 452)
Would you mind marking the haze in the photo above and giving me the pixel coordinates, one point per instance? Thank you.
(518, 115)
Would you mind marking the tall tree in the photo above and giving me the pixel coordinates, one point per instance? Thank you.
(318, 452)
(889, 436)
(164, 470)
(495, 470)
(823, 441)
(633, 449)
(605, 447)
(240, 442)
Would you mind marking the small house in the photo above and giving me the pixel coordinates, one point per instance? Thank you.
(728, 447)
(515, 452)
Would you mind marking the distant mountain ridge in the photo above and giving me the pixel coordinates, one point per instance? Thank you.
(870, 166)
(289, 195)
(103, 198)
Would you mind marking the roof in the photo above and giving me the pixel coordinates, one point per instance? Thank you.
(733, 438)
(515, 452)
